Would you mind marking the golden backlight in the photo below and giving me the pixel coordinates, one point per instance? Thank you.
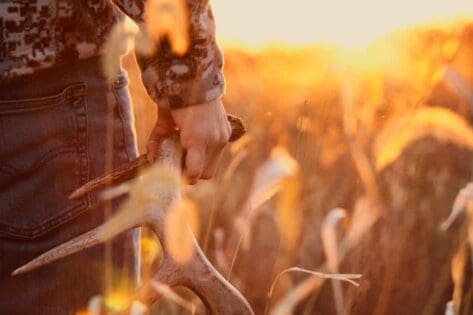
(256, 23)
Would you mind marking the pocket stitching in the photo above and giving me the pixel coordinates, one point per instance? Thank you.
(77, 91)
(34, 104)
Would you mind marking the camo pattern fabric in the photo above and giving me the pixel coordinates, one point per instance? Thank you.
(39, 34)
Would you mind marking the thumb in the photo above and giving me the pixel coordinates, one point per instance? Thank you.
(194, 163)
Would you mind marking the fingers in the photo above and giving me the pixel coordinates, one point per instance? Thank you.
(203, 159)
(164, 127)
(214, 158)
(195, 163)
(205, 130)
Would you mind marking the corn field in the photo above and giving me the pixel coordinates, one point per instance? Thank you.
(352, 164)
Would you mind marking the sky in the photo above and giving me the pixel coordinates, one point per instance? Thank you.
(342, 22)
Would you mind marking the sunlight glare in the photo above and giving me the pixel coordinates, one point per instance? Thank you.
(341, 22)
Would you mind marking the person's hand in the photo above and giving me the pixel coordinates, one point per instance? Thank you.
(204, 131)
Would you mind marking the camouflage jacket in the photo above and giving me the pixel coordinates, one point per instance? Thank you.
(39, 34)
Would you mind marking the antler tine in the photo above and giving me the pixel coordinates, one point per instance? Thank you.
(99, 235)
(86, 240)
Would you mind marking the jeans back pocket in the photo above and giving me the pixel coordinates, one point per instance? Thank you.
(43, 158)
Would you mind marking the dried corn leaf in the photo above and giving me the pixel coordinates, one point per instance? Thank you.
(270, 176)
(463, 200)
(437, 122)
(366, 213)
(462, 280)
(457, 84)
(330, 236)
(293, 297)
(288, 216)
(268, 181)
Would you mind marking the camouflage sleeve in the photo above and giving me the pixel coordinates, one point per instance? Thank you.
(179, 81)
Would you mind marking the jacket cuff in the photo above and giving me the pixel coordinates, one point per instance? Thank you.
(176, 82)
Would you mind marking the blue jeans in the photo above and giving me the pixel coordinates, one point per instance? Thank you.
(59, 129)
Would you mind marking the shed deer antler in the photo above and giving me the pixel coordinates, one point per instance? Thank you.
(163, 180)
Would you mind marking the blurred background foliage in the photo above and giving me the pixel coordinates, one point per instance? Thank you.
(335, 111)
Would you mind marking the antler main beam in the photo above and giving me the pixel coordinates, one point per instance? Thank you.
(163, 180)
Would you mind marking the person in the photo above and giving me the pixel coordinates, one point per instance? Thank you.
(63, 122)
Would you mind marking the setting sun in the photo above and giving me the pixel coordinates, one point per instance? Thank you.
(342, 22)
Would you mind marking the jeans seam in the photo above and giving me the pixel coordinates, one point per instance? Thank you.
(85, 154)
(122, 120)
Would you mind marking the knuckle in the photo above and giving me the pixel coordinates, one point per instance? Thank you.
(223, 139)
(214, 138)
(218, 139)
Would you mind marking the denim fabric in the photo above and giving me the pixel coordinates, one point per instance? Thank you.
(59, 129)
